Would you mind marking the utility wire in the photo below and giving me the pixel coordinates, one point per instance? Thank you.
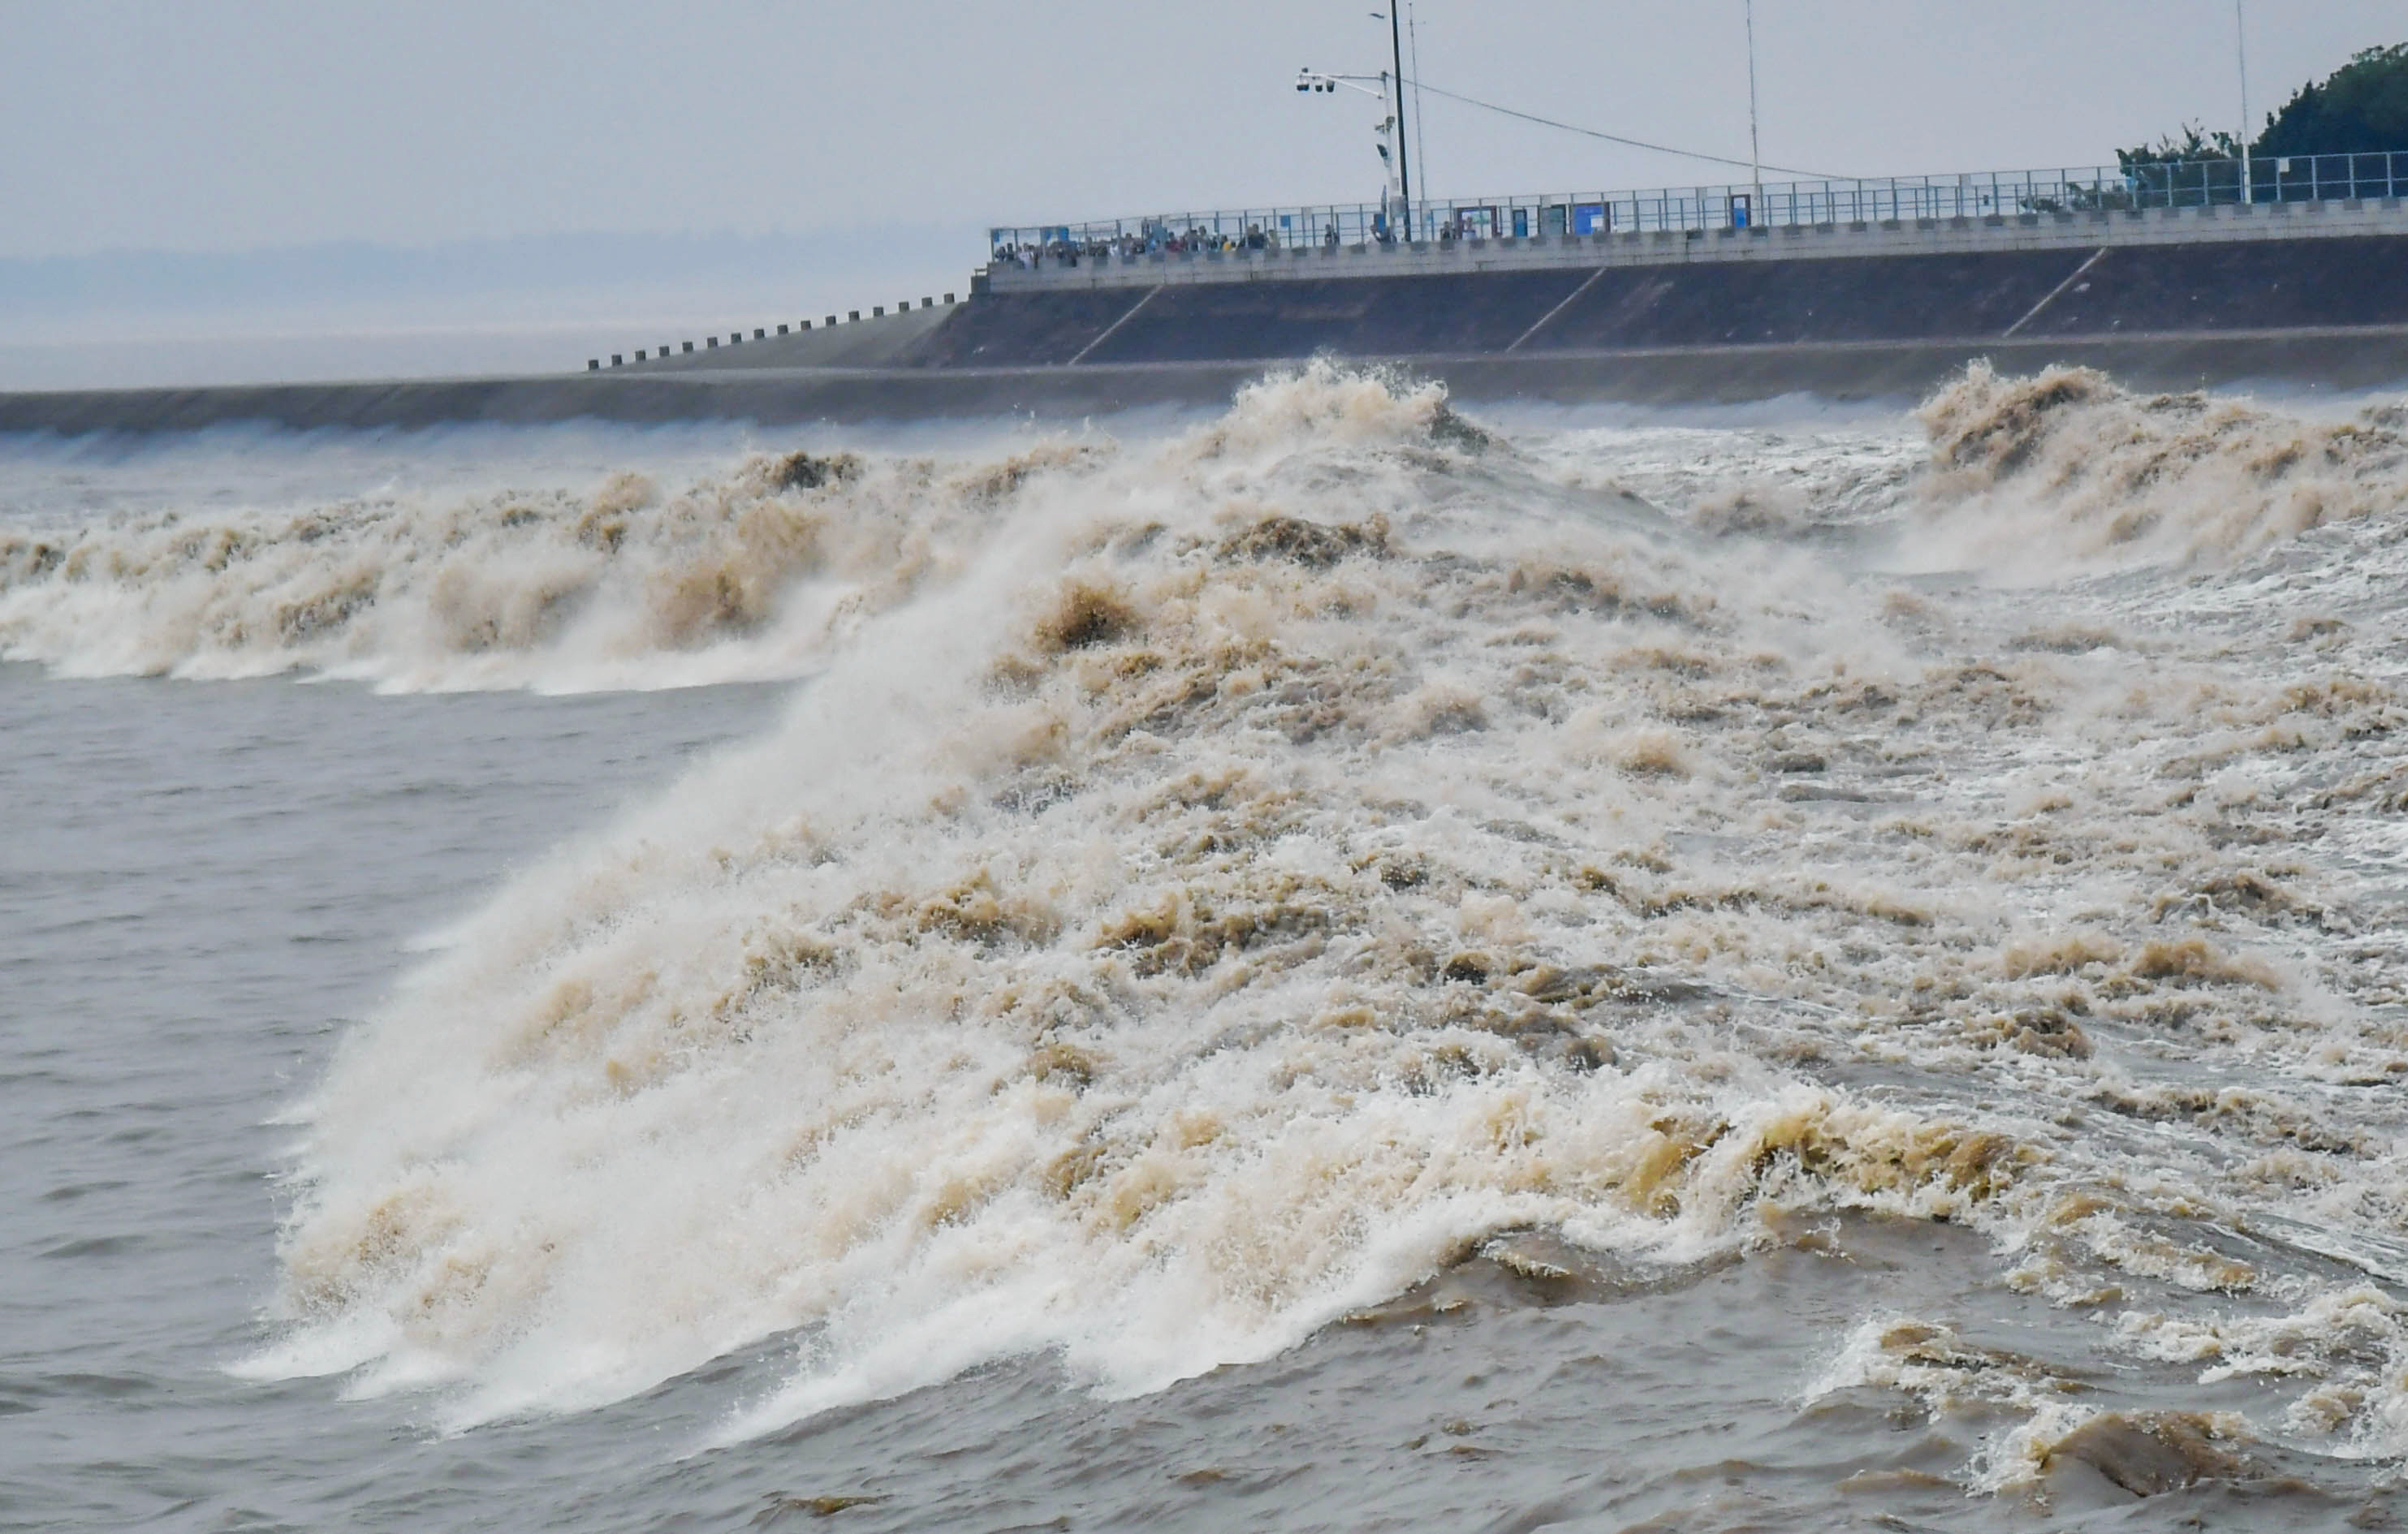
(1617, 138)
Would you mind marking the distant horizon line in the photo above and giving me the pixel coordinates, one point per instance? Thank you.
(849, 233)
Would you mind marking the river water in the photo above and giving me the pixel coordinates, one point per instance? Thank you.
(1330, 965)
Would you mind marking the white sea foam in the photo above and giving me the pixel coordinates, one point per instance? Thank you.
(2031, 476)
(1208, 884)
(748, 574)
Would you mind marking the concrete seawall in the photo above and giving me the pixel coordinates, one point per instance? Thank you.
(2327, 309)
(1974, 297)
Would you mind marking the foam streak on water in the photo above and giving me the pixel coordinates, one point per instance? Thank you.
(1208, 886)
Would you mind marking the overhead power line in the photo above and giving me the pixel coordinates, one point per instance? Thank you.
(1617, 138)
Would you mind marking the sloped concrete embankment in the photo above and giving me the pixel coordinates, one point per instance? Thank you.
(1973, 298)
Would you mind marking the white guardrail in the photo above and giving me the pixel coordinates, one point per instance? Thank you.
(2197, 183)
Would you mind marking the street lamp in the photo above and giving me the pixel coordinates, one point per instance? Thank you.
(1755, 144)
(2241, 54)
(1396, 56)
(1399, 189)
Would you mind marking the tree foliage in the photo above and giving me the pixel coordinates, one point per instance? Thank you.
(2361, 108)
(2192, 147)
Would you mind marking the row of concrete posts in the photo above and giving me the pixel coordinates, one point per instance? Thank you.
(593, 365)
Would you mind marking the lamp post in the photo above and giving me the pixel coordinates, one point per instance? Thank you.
(1404, 161)
(1754, 147)
(2241, 55)
(1413, 46)
(1395, 192)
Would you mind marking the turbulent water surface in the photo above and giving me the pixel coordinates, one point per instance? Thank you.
(1332, 965)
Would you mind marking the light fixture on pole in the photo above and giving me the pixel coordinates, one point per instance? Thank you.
(1396, 194)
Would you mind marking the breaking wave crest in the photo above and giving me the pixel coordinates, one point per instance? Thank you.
(1241, 877)
(1181, 929)
(751, 574)
(2066, 469)
(761, 572)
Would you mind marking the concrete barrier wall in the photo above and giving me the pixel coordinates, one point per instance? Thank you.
(2217, 223)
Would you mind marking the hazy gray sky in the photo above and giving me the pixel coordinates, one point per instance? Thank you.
(189, 124)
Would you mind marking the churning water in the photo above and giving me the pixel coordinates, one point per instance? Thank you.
(1338, 965)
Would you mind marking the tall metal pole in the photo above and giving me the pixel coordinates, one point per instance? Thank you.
(2241, 52)
(1413, 39)
(1754, 147)
(1404, 166)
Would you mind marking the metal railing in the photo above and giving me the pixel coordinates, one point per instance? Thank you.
(1772, 205)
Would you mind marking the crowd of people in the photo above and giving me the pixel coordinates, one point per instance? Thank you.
(1162, 240)
(1157, 238)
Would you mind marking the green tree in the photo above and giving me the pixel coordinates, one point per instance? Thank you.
(2193, 147)
(2187, 172)
(2362, 108)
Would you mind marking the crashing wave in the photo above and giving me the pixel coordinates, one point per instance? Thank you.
(753, 575)
(1231, 889)
(1207, 888)
(2065, 468)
